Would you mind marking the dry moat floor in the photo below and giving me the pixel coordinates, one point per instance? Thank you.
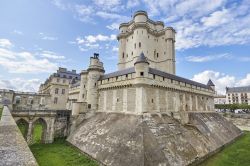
(60, 153)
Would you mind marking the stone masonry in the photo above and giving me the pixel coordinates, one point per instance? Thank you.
(14, 150)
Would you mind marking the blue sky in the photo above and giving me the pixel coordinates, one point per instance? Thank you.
(38, 36)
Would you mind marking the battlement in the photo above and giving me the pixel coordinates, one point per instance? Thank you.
(152, 38)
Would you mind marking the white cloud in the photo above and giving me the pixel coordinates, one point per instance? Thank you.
(111, 5)
(132, 3)
(204, 22)
(18, 84)
(221, 80)
(24, 62)
(84, 13)
(5, 43)
(99, 37)
(197, 22)
(91, 41)
(207, 58)
(115, 49)
(51, 55)
(118, 19)
(60, 4)
(245, 81)
(217, 18)
(46, 37)
(114, 16)
(113, 26)
(18, 32)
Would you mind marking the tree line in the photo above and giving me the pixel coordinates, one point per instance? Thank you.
(233, 107)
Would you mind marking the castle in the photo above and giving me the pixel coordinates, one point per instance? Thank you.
(145, 80)
(143, 114)
(140, 115)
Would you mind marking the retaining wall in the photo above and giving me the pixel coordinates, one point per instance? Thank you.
(13, 148)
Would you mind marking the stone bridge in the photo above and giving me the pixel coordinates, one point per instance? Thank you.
(54, 123)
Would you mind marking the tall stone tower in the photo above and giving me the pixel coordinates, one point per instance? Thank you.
(153, 39)
(95, 71)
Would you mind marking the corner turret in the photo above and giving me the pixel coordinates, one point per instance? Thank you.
(141, 66)
(211, 84)
(95, 71)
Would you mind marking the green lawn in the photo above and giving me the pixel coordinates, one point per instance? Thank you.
(23, 128)
(60, 153)
(37, 133)
(236, 154)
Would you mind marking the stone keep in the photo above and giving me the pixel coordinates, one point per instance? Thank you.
(153, 39)
(143, 114)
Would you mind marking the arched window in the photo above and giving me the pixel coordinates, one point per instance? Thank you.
(139, 44)
(123, 55)
(135, 45)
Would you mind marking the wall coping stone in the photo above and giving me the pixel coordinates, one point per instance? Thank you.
(13, 148)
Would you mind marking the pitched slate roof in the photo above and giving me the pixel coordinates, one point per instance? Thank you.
(177, 78)
(141, 59)
(238, 89)
(156, 72)
(210, 83)
(118, 73)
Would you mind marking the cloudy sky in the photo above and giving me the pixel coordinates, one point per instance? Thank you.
(38, 36)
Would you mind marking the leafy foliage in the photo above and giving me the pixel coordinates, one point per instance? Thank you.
(233, 107)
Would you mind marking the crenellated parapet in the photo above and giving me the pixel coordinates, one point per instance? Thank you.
(150, 37)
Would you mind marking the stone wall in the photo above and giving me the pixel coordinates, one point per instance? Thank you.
(242, 121)
(13, 148)
(152, 99)
(152, 139)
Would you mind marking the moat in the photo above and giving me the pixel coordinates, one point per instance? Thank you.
(61, 153)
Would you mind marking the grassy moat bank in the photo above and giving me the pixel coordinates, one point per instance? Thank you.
(236, 154)
(60, 153)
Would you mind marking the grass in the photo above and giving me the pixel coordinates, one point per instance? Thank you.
(37, 133)
(236, 154)
(23, 128)
(60, 153)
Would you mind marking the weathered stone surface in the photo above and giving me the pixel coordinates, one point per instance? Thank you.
(14, 150)
(152, 139)
(242, 121)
